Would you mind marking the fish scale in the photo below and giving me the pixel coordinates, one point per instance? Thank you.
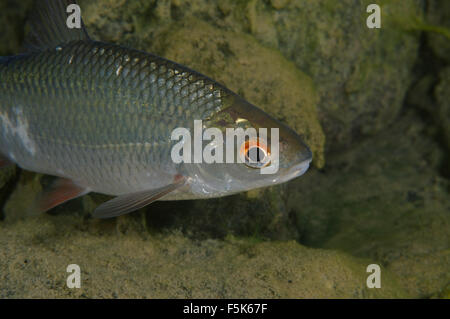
(102, 98)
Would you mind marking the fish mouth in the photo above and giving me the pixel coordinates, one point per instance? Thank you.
(299, 169)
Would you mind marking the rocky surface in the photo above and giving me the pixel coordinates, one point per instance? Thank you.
(442, 112)
(383, 200)
(124, 262)
(438, 18)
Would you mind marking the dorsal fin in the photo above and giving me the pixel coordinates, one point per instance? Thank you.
(48, 25)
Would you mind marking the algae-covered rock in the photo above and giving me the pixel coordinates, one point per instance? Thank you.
(442, 112)
(37, 252)
(13, 15)
(260, 214)
(431, 95)
(438, 17)
(21, 200)
(383, 200)
(361, 74)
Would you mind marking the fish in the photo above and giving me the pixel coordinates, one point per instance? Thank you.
(100, 118)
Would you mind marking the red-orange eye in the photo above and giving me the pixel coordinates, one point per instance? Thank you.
(255, 153)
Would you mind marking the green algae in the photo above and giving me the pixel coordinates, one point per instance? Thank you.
(117, 265)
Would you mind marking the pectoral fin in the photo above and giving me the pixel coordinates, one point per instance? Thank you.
(128, 203)
(61, 191)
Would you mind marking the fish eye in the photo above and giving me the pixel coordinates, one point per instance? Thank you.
(255, 153)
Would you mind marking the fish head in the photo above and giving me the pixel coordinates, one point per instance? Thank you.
(275, 155)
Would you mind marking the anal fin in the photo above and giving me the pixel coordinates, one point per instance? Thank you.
(128, 203)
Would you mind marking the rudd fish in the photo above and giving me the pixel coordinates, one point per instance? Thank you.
(100, 116)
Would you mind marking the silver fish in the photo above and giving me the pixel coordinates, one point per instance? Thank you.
(100, 117)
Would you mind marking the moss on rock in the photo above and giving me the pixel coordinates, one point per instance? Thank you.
(442, 112)
(438, 16)
(383, 200)
(116, 265)
(361, 74)
(13, 15)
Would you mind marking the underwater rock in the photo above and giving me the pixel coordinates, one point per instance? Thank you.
(36, 252)
(386, 201)
(259, 214)
(361, 74)
(442, 94)
(438, 15)
(20, 202)
(431, 95)
(13, 15)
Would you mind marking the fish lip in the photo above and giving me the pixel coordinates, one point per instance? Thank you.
(306, 154)
(299, 169)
